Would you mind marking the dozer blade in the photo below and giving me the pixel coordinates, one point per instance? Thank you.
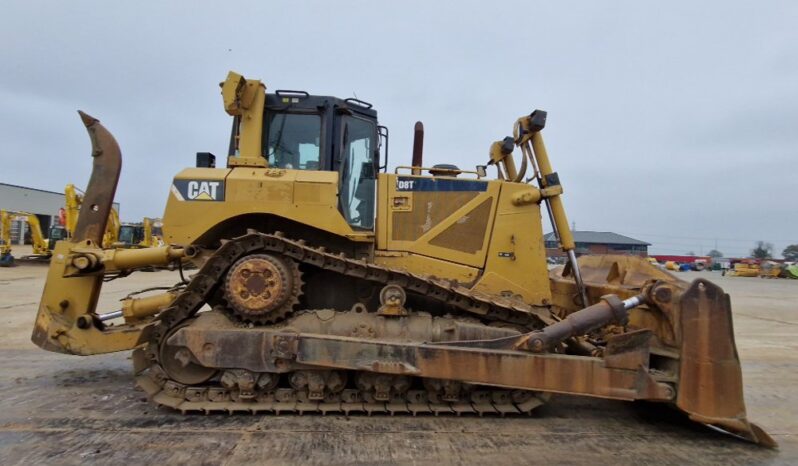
(710, 377)
(692, 323)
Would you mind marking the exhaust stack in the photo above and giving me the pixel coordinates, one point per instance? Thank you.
(418, 148)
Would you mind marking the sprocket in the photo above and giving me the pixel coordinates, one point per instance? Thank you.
(262, 288)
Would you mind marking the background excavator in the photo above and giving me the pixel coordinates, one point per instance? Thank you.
(73, 199)
(6, 259)
(37, 238)
(117, 234)
(41, 245)
(324, 283)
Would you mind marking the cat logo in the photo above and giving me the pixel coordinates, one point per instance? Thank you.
(198, 190)
(202, 190)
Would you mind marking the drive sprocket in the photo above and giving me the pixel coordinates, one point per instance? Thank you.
(262, 288)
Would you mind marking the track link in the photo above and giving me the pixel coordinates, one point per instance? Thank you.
(215, 399)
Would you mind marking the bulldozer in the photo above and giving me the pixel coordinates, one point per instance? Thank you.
(326, 283)
(144, 234)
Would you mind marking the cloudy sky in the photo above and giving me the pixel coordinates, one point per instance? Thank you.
(672, 122)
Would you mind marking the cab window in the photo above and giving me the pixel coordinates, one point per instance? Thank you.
(293, 140)
(357, 189)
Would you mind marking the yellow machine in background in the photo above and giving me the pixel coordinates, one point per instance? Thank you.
(326, 284)
(671, 265)
(152, 232)
(770, 269)
(72, 201)
(111, 236)
(41, 245)
(38, 241)
(6, 259)
(140, 235)
(116, 233)
(742, 269)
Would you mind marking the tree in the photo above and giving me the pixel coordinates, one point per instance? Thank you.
(691, 253)
(790, 253)
(715, 254)
(762, 250)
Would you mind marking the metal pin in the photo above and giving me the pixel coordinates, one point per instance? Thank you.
(110, 315)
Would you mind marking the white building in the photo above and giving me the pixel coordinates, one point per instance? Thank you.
(45, 204)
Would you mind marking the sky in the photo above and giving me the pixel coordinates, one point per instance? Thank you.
(671, 122)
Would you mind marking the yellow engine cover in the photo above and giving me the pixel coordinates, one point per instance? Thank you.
(466, 224)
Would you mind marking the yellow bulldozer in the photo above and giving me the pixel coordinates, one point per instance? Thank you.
(326, 283)
(145, 234)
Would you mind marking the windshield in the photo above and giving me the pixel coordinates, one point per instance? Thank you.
(127, 234)
(293, 140)
(57, 233)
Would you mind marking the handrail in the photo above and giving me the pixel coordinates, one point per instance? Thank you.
(438, 169)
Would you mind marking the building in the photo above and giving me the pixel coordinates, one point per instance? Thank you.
(46, 205)
(598, 242)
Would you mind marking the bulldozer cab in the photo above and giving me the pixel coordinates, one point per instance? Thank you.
(316, 161)
(56, 233)
(323, 133)
(131, 235)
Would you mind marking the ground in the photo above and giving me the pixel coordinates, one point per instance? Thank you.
(58, 409)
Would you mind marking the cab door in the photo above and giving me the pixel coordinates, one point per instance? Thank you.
(357, 166)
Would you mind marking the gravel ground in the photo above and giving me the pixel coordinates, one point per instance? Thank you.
(58, 409)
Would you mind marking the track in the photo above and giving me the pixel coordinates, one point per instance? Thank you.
(282, 393)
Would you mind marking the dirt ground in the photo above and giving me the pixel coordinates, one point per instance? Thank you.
(58, 409)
